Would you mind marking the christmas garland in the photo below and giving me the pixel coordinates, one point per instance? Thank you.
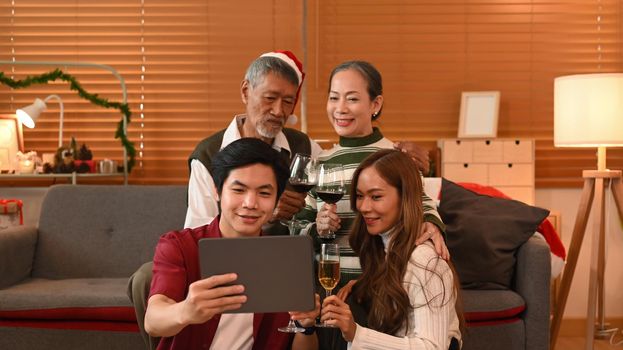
(93, 98)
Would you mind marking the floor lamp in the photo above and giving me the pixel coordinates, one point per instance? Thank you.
(588, 112)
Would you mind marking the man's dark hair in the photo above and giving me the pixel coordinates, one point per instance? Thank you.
(248, 151)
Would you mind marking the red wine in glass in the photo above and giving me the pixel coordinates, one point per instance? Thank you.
(330, 188)
(300, 186)
(330, 197)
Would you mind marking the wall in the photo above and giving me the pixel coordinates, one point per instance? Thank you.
(564, 201)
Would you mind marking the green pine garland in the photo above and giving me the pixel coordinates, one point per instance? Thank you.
(93, 98)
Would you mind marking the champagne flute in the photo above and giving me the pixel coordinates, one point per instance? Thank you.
(328, 271)
(330, 187)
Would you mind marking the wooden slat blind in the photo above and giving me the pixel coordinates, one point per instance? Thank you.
(431, 51)
(183, 62)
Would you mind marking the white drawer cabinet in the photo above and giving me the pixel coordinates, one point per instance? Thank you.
(466, 172)
(506, 164)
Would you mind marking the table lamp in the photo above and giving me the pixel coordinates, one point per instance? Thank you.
(29, 114)
(588, 112)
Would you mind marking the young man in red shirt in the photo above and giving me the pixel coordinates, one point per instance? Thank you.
(185, 310)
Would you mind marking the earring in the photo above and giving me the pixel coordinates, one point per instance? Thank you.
(375, 114)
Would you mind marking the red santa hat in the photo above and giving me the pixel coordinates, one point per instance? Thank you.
(289, 58)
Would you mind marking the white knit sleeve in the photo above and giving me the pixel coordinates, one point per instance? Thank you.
(433, 315)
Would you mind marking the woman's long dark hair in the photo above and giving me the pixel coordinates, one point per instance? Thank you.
(381, 287)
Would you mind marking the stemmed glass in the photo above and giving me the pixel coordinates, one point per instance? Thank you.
(303, 173)
(303, 177)
(328, 271)
(330, 187)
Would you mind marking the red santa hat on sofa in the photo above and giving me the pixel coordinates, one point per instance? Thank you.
(289, 58)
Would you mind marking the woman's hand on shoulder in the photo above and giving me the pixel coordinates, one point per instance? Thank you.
(417, 153)
(432, 232)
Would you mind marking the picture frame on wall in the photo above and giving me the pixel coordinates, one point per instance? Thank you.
(11, 141)
(479, 114)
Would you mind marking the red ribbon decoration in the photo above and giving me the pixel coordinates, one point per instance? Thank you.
(4, 203)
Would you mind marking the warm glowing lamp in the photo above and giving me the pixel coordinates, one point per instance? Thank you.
(588, 112)
(29, 114)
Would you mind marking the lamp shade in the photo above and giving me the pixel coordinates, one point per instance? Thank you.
(588, 110)
(29, 114)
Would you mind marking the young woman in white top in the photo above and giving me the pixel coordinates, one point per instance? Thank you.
(408, 292)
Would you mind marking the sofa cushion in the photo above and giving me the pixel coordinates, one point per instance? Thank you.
(491, 305)
(97, 299)
(483, 234)
(88, 231)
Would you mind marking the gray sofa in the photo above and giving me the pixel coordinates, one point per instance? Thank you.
(63, 284)
(499, 325)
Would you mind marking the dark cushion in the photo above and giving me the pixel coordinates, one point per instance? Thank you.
(483, 234)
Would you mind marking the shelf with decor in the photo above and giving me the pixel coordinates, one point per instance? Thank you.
(28, 115)
(73, 178)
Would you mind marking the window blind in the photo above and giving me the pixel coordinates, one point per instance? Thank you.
(183, 62)
(430, 51)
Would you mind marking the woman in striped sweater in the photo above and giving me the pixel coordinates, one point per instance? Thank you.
(355, 102)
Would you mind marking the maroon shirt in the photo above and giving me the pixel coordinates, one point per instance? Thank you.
(176, 266)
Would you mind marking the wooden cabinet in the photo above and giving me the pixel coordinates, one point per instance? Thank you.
(506, 164)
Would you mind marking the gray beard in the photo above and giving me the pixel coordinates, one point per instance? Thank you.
(268, 133)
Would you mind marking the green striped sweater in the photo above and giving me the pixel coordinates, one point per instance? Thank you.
(350, 152)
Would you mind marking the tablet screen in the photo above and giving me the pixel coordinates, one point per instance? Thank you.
(276, 271)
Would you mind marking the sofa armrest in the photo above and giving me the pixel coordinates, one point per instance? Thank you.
(17, 251)
(532, 282)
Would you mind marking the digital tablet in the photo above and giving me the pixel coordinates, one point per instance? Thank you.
(276, 271)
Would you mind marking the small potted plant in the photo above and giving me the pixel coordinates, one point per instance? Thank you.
(83, 158)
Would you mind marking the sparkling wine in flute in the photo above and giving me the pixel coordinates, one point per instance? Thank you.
(328, 271)
(330, 197)
(329, 274)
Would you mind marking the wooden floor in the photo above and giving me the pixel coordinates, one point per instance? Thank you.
(577, 343)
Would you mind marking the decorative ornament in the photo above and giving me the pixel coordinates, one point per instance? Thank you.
(93, 98)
